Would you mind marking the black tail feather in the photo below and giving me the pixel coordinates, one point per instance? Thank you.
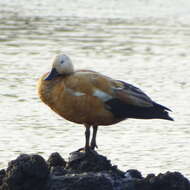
(162, 110)
(123, 110)
(161, 106)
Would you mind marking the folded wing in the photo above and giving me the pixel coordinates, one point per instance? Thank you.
(131, 102)
(133, 95)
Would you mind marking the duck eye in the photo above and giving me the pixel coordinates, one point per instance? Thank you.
(62, 61)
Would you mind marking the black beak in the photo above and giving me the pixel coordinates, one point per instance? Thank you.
(53, 73)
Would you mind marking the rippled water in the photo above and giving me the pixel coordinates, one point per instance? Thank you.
(143, 42)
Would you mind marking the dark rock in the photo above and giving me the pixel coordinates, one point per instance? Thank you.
(167, 181)
(83, 171)
(134, 174)
(88, 162)
(56, 164)
(2, 175)
(82, 182)
(58, 171)
(27, 172)
(86, 171)
(55, 159)
(149, 176)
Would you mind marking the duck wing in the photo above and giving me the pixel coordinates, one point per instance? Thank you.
(131, 102)
(132, 95)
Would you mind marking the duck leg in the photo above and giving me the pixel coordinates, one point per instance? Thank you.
(87, 137)
(93, 144)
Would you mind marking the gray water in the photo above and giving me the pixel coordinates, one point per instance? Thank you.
(143, 42)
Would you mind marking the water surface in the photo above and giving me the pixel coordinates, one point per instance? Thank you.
(143, 42)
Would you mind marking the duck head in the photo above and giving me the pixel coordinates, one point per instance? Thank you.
(62, 65)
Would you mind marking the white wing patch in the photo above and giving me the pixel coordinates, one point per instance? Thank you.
(98, 93)
(102, 95)
(74, 93)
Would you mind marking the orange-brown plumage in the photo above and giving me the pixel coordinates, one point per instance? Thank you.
(90, 98)
(87, 108)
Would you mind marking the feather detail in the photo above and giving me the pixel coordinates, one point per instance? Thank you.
(132, 95)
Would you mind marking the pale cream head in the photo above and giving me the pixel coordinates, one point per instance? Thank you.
(63, 64)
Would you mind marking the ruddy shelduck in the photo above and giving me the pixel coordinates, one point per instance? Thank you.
(92, 99)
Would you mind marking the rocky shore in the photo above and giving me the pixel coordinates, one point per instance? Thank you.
(90, 171)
